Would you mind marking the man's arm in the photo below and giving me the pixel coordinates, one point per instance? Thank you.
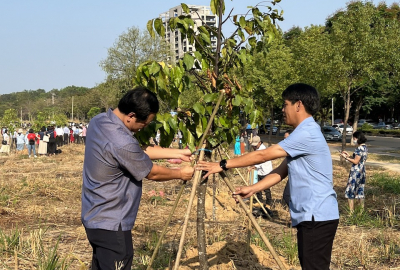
(270, 180)
(159, 173)
(157, 152)
(253, 158)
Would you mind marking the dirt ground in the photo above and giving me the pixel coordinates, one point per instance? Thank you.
(41, 199)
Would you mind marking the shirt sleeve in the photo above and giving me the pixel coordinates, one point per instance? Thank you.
(297, 144)
(357, 152)
(133, 159)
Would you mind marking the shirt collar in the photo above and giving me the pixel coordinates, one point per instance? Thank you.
(117, 121)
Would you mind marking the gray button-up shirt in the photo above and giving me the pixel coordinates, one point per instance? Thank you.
(113, 168)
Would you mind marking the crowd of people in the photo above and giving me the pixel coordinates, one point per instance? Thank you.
(44, 142)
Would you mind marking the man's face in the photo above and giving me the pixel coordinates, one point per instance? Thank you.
(289, 112)
(135, 125)
(255, 147)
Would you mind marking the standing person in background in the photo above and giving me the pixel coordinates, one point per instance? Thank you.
(31, 138)
(237, 146)
(313, 202)
(263, 169)
(14, 137)
(51, 146)
(357, 175)
(66, 135)
(76, 134)
(71, 135)
(84, 134)
(113, 169)
(242, 145)
(60, 136)
(20, 140)
(180, 139)
(5, 145)
(42, 144)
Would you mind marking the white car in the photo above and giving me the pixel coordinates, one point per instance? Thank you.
(349, 129)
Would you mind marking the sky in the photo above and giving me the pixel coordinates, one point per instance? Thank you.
(47, 44)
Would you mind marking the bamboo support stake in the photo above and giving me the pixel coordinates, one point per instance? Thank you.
(251, 177)
(246, 183)
(166, 226)
(196, 180)
(197, 177)
(254, 221)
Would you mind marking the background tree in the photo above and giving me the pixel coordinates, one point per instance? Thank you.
(10, 120)
(130, 50)
(93, 112)
(356, 51)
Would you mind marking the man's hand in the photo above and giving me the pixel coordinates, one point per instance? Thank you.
(210, 167)
(187, 173)
(243, 192)
(185, 155)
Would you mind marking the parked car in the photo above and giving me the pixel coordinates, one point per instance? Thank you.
(349, 129)
(338, 121)
(382, 125)
(265, 129)
(361, 122)
(396, 125)
(331, 134)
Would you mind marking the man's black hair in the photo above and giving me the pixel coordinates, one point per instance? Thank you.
(360, 137)
(140, 101)
(306, 93)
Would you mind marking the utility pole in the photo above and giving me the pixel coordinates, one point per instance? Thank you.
(21, 115)
(52, 102)
(72, 115)
(333, 114)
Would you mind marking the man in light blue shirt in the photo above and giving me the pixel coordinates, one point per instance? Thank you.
(313, 204)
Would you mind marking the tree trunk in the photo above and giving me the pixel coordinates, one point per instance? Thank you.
(214, 188)
(201, 231)
(359, 104)
(347, 104)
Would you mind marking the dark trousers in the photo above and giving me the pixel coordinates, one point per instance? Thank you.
(268, 196)
(59, 140)
(315, 240)
(66, 138)
(111, 249)
(84, 139)
(76, 138)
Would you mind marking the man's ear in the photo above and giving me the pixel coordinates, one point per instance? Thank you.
(131, 114)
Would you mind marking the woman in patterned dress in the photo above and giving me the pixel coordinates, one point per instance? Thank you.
(356, 182)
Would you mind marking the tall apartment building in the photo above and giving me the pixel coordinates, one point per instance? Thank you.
(201, 15)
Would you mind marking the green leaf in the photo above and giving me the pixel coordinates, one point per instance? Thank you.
(237, 100)
(150, 28)
(198, 55)
(159, 26)
(210, 97)
(199, 128)
(173, 123)
(154, 68)
(199, 108)
(188, 60)
(185, 8)
(166, 126)
(214, 6)
(209, 110)
(242, 21)
(206, 38)
(252, 41)
(241, 34)
(222, 121)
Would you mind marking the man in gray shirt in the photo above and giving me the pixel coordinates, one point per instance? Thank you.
(113, 170)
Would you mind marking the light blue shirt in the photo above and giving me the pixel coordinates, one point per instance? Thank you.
(310, 170)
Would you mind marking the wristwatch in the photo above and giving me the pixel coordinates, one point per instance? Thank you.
(222, 164)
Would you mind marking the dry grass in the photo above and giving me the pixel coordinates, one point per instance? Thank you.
(40, 207)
